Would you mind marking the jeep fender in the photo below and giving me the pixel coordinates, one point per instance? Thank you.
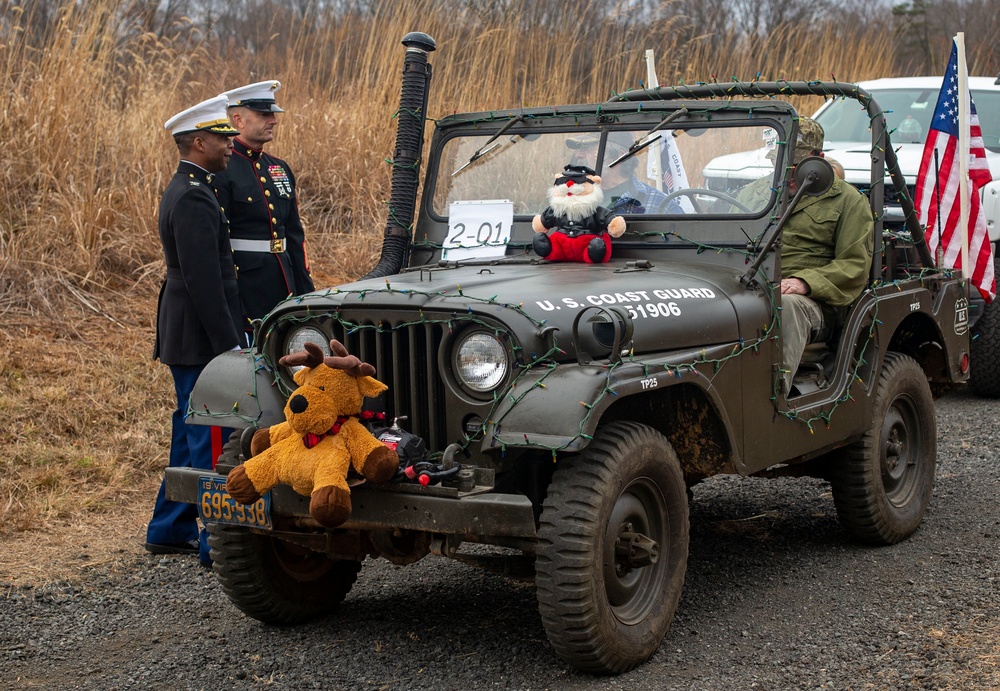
(560, 408)
(236, 389)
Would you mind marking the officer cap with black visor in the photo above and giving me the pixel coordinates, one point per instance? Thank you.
(207, 116)
(258, 96)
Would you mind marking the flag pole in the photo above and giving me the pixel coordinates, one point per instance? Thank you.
(939, 254)
(964, 118)
(655, 155)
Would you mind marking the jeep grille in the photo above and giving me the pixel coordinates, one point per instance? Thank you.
(406, 360)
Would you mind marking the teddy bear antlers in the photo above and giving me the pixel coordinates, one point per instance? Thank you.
(342, 360)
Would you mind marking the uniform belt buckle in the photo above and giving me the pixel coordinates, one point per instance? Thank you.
(277, 245)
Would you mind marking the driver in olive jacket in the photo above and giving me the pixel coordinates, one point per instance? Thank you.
(826, 253)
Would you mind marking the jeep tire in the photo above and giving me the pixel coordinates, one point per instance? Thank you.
(883, 482)
(984, 355)
(606, 608)
(274, 581)
(268, 579)
(231, 455)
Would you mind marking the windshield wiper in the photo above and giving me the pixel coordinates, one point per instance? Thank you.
(641, 143)
(486, 148)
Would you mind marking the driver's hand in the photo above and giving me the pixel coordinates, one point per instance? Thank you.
(794, 286)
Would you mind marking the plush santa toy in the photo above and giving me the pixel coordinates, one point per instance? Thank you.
(581, 229)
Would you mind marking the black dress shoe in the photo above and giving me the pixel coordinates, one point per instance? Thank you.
(189, 547)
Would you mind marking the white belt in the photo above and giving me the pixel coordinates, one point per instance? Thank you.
(276, 246)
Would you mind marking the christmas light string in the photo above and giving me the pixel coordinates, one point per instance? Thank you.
(548, 361)
(707, 364)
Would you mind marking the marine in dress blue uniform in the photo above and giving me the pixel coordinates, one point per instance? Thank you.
(198, 315)
(257, 193)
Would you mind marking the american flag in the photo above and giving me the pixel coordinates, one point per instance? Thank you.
(937, 197)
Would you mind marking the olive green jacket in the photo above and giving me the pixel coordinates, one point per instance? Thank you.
(827, 241)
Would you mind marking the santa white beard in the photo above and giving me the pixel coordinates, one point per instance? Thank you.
(575, 207)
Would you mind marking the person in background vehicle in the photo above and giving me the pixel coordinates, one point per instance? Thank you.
(909, 130)
(624, 193)
(257, 193)
(826, 253)
(199, 314)
(838, 169)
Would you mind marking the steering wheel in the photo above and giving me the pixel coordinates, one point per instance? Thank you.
(692, 191)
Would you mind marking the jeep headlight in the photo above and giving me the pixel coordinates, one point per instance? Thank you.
(298, 338)
(481, 362)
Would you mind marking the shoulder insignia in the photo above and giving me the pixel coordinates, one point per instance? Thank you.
(194, 183)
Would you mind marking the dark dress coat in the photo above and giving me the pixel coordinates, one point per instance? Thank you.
(198, 315)
(257, 194)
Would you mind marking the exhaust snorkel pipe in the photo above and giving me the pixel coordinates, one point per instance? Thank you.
(406, 158)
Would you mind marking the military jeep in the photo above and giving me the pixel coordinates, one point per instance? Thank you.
(574, 404)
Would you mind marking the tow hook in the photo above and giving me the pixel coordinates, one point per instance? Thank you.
(635, 550)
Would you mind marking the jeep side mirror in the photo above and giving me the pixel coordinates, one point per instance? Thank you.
(814, 175)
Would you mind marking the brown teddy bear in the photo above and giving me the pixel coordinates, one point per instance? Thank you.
(320, 439)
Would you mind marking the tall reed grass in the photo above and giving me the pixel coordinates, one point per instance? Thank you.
(86, 157)
(83, 411)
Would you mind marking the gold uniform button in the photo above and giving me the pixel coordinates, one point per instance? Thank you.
(267, 193)
(258, 166)
(263, 179)
(249, 199)
(271, 207)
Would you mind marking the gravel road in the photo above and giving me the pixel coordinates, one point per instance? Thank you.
(776, 597)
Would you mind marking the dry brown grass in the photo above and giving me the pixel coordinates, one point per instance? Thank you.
(83, 410)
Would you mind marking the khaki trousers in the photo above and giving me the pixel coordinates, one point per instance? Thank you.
(801, 322)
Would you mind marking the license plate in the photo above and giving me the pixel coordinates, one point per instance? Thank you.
(216, 506)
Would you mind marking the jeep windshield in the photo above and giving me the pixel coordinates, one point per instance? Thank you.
(521, 168)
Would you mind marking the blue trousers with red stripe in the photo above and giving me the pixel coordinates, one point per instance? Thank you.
(191, 446)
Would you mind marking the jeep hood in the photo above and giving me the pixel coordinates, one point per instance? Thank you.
(672, 305)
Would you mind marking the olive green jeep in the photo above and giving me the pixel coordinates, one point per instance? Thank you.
(581, 402)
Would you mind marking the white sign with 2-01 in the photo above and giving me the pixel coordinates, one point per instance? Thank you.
(478, 229)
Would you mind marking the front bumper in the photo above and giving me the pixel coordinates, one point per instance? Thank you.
(389, 507)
